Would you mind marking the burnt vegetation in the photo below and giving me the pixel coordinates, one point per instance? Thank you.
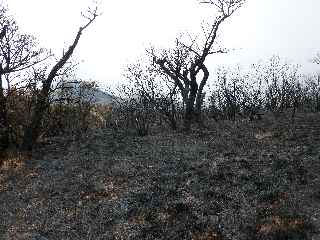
(179, 150)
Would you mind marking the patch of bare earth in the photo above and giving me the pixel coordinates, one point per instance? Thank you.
(256, 180)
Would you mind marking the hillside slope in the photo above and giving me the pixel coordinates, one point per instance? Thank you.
(233, 181)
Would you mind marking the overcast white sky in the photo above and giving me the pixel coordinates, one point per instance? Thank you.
(289, 28)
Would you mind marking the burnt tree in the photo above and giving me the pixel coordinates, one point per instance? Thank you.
(186, 62)
(18, 52)
(32, 131)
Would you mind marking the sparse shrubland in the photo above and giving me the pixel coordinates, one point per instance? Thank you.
(169, 157)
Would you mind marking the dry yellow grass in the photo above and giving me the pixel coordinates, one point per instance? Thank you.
(14, 160)
(280, 224)
(209, 235)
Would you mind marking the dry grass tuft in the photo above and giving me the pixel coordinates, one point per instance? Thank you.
(14, 160)
(281, 226)
(209, 235)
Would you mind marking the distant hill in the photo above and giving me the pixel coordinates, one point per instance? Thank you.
(73, 90)
(101, 97)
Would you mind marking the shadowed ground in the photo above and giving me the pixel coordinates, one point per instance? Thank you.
(246, 180)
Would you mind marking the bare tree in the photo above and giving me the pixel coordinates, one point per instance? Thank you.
(18, 52)
(32, 131)
(186, 62)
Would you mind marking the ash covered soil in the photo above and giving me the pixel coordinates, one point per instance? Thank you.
(244, 180)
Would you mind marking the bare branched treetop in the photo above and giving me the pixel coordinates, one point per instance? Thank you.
(18, 51)
(226, 7)
(90, 14)
(185, 51)
(316, 59)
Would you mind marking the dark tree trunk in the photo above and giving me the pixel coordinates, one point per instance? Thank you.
(190, 111)
(4, 131)
(200, 96)
(173, 121)
(32, 131)
(189, 114)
